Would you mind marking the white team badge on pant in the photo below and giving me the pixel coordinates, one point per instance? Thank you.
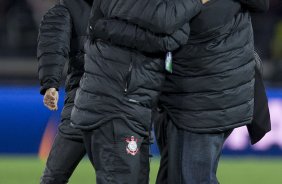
(132, 147)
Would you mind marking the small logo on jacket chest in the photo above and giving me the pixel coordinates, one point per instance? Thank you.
(132, 147)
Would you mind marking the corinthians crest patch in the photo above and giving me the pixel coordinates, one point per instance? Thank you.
(132, 147)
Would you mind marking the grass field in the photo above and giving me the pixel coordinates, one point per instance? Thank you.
(27, 170)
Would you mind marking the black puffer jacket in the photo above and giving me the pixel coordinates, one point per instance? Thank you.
(211, 88)
(120, 82)
(62, 34)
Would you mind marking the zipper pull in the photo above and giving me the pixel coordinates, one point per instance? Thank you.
(125, 89)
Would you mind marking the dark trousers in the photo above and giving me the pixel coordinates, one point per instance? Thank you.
(118, 154)
(186, 157)
(62, 160)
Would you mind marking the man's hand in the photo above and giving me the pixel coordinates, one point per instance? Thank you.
(205, 1)
(51, 98)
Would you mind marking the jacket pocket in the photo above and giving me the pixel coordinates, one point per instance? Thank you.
(128, 79)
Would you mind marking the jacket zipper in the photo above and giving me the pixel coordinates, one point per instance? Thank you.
(128, 78)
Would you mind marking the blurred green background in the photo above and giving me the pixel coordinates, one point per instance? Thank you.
(27, 170)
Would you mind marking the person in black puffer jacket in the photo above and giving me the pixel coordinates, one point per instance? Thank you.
(61, 40)
(210, 91)
(121, 85)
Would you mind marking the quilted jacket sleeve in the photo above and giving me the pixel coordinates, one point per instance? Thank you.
(256, 5)
(160, 16)
(53, 46)
(130, 35)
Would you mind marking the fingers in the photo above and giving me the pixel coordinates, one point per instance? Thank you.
(50, 102)
(51, 98)
(51, 105)
(56, 96)
(53, 94)
(205, 1)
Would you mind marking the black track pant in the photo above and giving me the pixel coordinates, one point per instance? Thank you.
(187, 157)
(62, 160)
(118, 154)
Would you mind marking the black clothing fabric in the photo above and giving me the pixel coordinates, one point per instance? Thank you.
(61, 36)
(211, 88)
(118, 154)
(62, 161)
(159, 16)
(256, 5)
(61, 39)
(187, 157)
(112, 87)
(213, 83)
(121, 81)
(123, 33)
(261, 123)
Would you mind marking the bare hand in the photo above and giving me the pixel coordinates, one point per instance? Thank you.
(51, 98)
(205, 1)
